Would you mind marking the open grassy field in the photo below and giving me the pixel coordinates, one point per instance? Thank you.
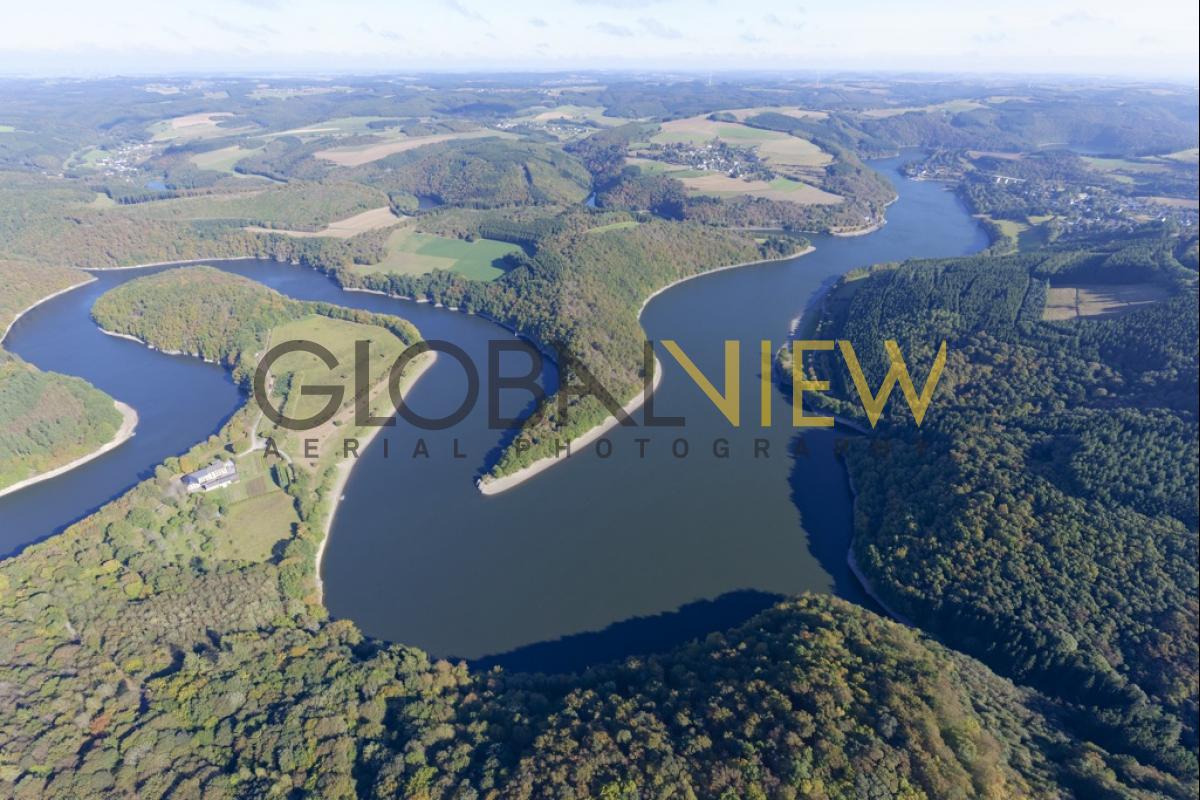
(7, 129)
(288, 92)
(780, 150)
(343, 228)
(413, 253)
(718, 184)
(260, 513)
(948, 107)
(255, 525)
(1124, 165)
(292, 207)
(577, 113)
(614, 226)
(223, 159)
(973, 154)
(204, 125)
(791, 111)
(1178, 202)
(1099, 300)
(783, 189)
(348, 126)
(296, 370)
(365, 153)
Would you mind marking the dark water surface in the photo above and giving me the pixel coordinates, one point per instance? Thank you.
(593, 559)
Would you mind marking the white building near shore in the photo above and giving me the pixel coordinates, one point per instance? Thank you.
(214, 476)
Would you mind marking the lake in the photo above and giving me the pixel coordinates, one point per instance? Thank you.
(596, 558)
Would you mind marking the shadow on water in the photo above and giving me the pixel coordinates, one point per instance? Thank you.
(638, 636)
(820, 490)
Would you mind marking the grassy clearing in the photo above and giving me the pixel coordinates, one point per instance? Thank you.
(698, 130)
(784, 189)
(286, 93)
(1006, 156)
(791, 111)
(1123, 165)
(204, 125)
(296, 370)
(1178, 202)
(7, 129)
(344, 228)
(1100, 300)
(87, 159)
(224, 159)
(575, 113)
(255, 526)
(260, 513)
(948, 107)
(614, 226)
(781, 151)
(413, 253)
(292, 207)
(364, 154)
(347, 126)
(718, 184)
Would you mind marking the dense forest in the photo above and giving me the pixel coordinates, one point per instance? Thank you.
(1044, 516)
(46, 419)
(175, 671)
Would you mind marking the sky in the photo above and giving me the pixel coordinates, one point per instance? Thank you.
(1144, 39)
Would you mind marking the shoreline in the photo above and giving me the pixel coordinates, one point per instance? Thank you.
(495, 486)
(129, 421)
(36, 303)
(185, 262)
(852, 559)
(130, 337)
(492, 486)
(346, 466)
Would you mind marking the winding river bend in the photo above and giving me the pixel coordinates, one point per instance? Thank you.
(593, 559)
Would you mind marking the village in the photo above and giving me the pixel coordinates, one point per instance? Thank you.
(712, 156)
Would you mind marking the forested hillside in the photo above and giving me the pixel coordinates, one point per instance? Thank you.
(46, 419)
(1043, 518)
(579, 296)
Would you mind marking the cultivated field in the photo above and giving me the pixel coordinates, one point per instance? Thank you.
(292, 207)
(300, 369)
(1099, 300)
(204, 125)
(413, 253)
(1178, 202)
(364, 154)
(718, 184)
(576, 113)
(337, 125)
(224, 159)
(344, 228)
(780, 150)
(948, 107)
(791, 111)
(785, 189)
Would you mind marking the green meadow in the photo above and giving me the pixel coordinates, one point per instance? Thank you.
(413, 253)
